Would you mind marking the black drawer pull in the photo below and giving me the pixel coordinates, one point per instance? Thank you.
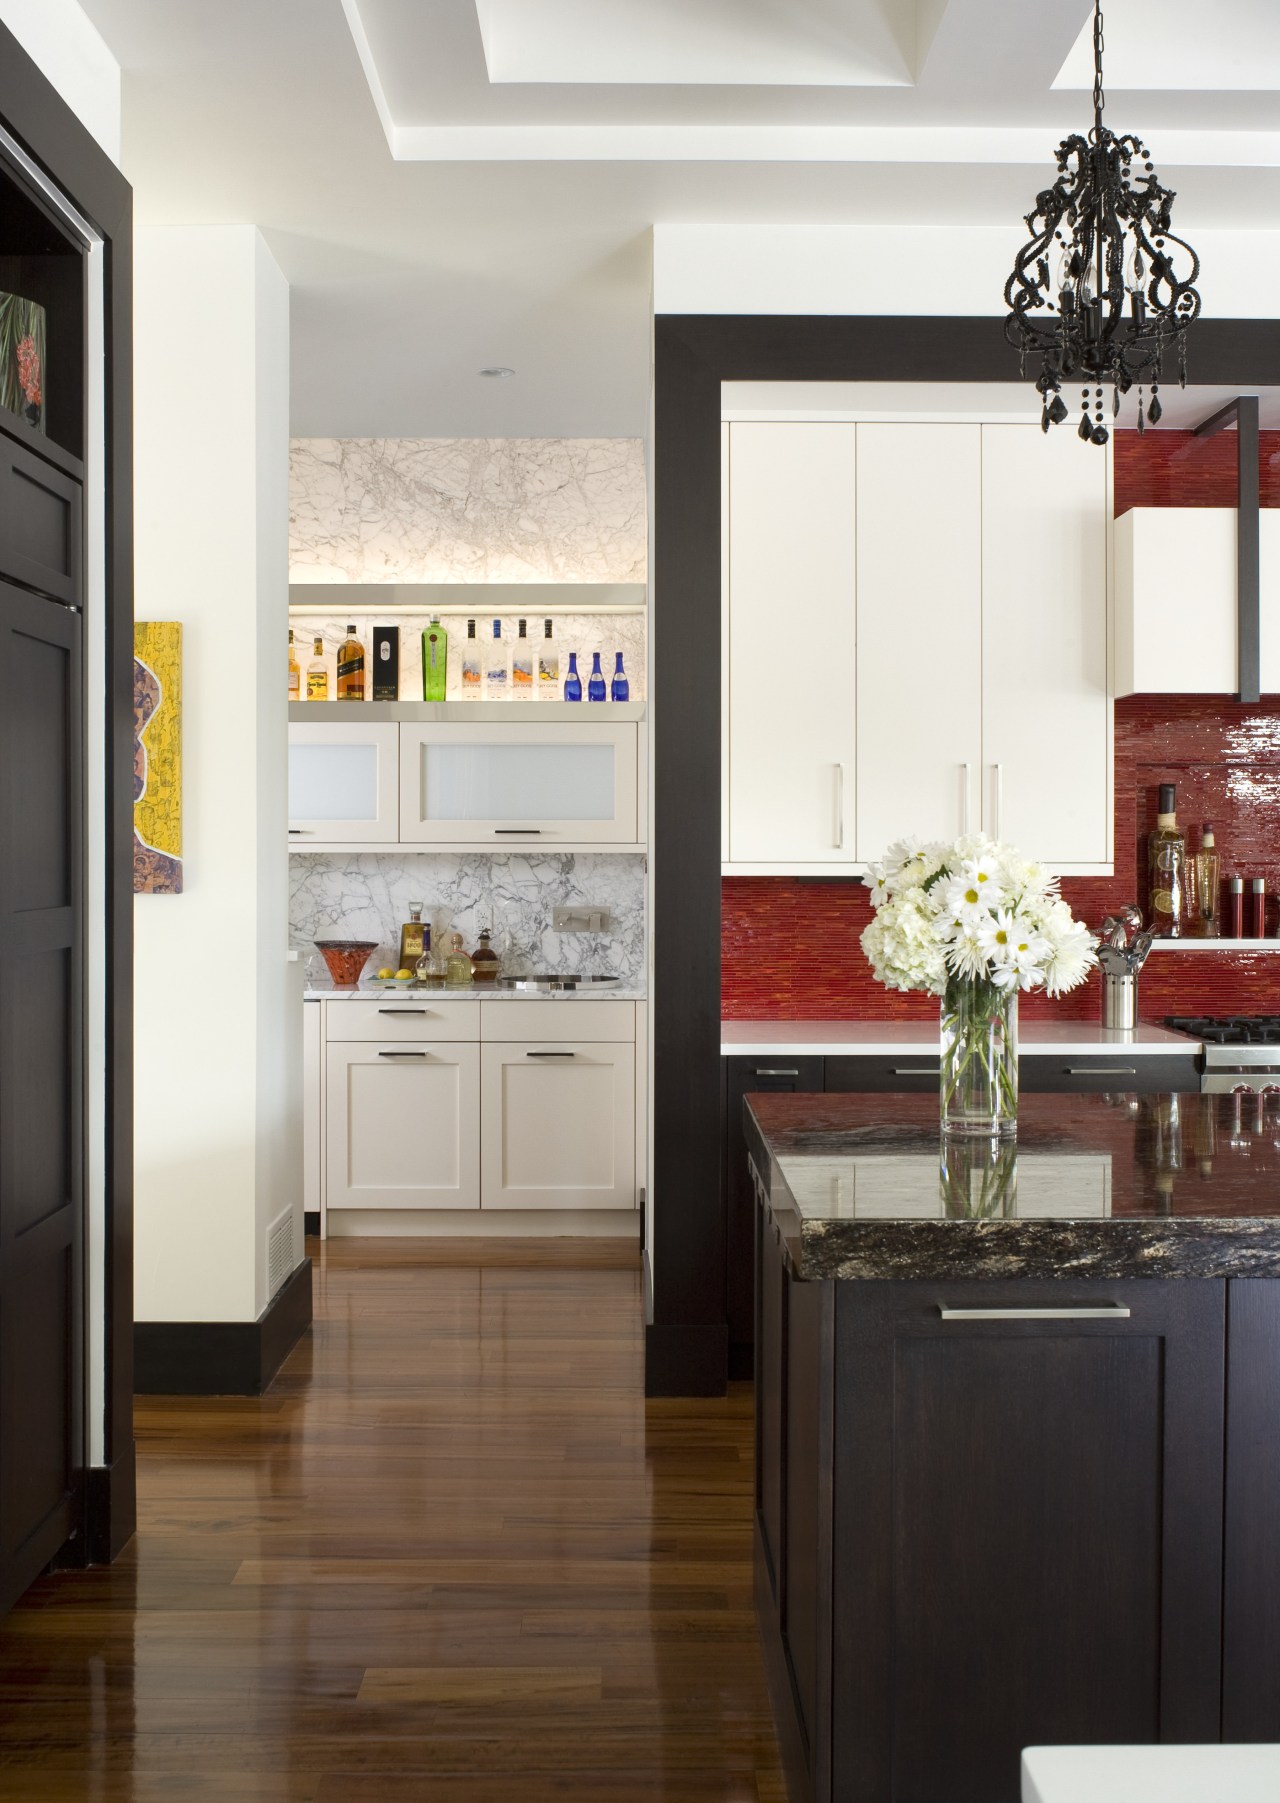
(550, 1054)
(1099, 1070)
(517, 832)
(775, 1073)
(402, 1054)
(402, 1011)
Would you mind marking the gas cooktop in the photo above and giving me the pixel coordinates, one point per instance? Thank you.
(1228, 1029)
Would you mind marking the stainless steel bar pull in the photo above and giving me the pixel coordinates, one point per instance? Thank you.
(1108, 1311)
(916, 1070)
(839, 822)
(1100, 1070)
(768, 1072)
(965, 772)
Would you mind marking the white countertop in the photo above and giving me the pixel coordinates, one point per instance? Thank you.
(476, 992)
(867, 1038)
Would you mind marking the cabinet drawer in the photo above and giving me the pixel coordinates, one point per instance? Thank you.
(568, 1020)
(410, 1018)
(1112, 1071)
(892, 1072)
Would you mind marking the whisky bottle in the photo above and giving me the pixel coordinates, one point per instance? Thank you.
(619, 688)
(484, 961)
(435, 661)
(317, 673)
(548, 665)
(295, 674)
(522, 666)
(351, 668)
(414, 935)
(596, 690)
(497, 667)
(472, 686)
(1167, 867)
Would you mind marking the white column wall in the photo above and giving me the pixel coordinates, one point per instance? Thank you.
(217, 1027)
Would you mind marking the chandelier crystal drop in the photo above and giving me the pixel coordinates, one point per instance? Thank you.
(1103, 291)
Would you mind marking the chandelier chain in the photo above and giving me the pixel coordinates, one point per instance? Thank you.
(1099, 98)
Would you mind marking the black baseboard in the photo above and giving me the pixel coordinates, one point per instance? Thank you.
(111, 1507)
(742, 1361)
(311, 1216)
(222, 1358)
(686, 1360)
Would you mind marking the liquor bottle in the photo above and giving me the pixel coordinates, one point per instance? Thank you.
(619, 688)
(497, 667)
(414, 935)
(596, 690)
(1206, 872)
(472, 684)
(295, 674)
(351, 668)
(573, 682)
(317, 673)
(521, 666)
(1167, 867)
(484, 961)
(435, 661)
(457, 966)
(548, 665)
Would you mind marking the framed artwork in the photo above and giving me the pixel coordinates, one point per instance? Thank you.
(157, 757)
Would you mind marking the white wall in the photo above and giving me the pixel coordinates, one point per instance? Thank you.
(834, 269)
(57, 35)
(217, 1030)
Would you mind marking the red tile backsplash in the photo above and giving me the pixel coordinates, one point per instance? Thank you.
(1177, 469)
(790, 949)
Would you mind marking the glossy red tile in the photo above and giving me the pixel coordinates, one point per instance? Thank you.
(1177, 469)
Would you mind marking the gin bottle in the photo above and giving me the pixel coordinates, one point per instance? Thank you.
(435, 661)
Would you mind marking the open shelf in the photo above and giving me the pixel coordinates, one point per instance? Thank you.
(1215, 945)
(475, 600)
(460, 713)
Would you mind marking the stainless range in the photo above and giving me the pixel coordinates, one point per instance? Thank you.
(1241, 1051)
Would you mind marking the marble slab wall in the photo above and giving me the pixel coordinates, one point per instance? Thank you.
(367, 896)
(467, 510)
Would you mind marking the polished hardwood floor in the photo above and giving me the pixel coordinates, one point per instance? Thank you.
(452, 1555)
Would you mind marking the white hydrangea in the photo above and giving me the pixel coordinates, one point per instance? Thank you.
(976, 910)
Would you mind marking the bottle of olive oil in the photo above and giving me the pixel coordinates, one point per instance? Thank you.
(317, 672)
(351, 667)
(435, 661)
(1167, 869)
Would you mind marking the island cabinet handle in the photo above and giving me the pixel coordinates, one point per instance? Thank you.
(1099, 1070)
(1109, 1311)
(916, 1070)
(770, 1072)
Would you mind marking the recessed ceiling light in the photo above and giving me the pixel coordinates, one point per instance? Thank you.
(497, 369)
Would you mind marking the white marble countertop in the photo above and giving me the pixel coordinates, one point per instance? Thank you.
(477, 992)
(867, 1038)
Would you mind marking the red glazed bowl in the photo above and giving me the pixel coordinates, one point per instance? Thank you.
(346, 958)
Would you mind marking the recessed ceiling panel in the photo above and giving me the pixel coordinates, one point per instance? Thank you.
(1233, 45)
(711, 43)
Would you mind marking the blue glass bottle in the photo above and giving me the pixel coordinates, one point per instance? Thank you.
(619, 688)
(573, 682)
(596, 690)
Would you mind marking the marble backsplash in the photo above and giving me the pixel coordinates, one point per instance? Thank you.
(583, 633)
(467, 510)
(367, 896)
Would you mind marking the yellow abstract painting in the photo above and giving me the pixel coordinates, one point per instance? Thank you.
(157, 757)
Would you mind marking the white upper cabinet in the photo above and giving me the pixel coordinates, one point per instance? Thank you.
(919, 633)
(344, 784)
(1046, 706)
(791, 647)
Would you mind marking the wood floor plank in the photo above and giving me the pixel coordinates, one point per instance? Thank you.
(452, 1556)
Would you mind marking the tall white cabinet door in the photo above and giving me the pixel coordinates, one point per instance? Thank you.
(792, 645)
(919, 632)
(1045, 679)
(558, 1125)
(403, 1126)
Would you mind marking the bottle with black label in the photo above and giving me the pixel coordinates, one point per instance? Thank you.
(351, 667)
(1167, 869)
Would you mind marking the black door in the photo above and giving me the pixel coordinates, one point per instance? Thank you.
(41, 1339)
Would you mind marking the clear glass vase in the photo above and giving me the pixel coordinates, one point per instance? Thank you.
(978, 1177)
(979, 1082)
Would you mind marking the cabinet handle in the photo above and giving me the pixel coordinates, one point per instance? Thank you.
(775, 1073)
(916, 1070)
(299, 832)
(402, 1011)
(402, 1054)
(965, 772)
(1109, 1311)
(1099, 1070)
(839, 837)
(999, 770)
(551, 1054)
(516, 832)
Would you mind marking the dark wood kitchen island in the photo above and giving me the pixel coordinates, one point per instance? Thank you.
(1017, 1435)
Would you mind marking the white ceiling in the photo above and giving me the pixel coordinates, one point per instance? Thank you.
(450, 184)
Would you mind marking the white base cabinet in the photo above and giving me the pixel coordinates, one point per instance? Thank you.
(403, 1125)
(557, 1125)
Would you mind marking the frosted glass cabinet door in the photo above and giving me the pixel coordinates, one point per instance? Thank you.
(343, 784)
(511, 785)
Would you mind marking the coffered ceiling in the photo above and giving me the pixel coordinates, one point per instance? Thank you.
(451, 184)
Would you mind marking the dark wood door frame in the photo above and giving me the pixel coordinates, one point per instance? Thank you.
(34, 115)
(686, 1346)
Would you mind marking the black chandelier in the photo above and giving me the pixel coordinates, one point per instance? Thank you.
(1103, 291)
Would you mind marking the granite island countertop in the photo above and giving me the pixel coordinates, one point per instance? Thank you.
(1094, 1186)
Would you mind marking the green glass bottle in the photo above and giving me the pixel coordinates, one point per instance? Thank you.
(435, 661)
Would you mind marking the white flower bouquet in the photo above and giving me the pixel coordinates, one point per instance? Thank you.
(974, 923)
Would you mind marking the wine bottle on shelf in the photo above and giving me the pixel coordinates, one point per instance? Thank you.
(619, 688)
(522, 665)
(295, 674)
(548, 665)
(351, 667)
(1167, 867)
(497, 667)
(596, 690)
(1206, 877)
(573, 682)
(435, 661)
(472, 679)
(317, 672)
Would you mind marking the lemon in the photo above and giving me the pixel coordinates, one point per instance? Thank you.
(404, 973)
(384, 972)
